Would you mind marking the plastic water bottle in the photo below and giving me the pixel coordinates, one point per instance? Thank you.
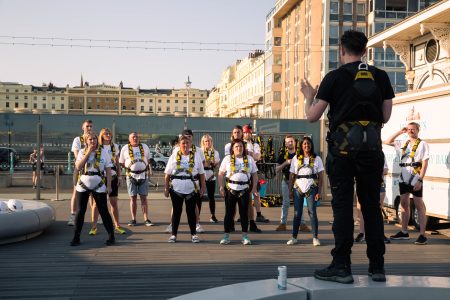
(282, 277)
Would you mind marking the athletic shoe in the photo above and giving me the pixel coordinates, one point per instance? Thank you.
(360, 238)
(172, 239)
(213, 219)
(132, 223)
(400, 236)
(71, 221)
(169, 228)
(199, 228)
(246, 240)
(292, 241)
(333, 273)
(316, 242)
(377, 275)
(120, 230)
(148, 223)
(93, 231)
(262, 219)
(304, 228)
(421, 240)
(195, 239)
(111, 241)
(75, 241)
(225, 240)
(281, 227)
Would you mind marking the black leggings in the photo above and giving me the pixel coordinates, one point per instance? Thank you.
(230, 210)
(177, 204)
(102, 205)
(211, 190)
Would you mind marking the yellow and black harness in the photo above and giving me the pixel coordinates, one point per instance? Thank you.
(133, 160)
(188, 171)
(113, 162)
(313, 175)
(233, 171)
(92, 173)
(211, 161)
(417, 166)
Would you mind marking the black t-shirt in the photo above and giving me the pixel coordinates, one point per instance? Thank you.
(286, 169)
(336, 84)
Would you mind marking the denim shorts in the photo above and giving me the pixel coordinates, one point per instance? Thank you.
(137, 189)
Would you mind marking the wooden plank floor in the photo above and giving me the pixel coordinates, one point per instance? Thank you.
(144, 266)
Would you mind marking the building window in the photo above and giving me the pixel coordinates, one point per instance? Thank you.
(142, 100)
(62, 106)
(34, 98)
(151, 109)
(348, 11)
(16, 104)
(16, 97)
(7, 104)
(201, 108)
(62, 98)
(176, 100)
(333, 59)
(124, 107)
(276, 77)
(176, 108)
(142, 108)
(53, 105)
(167, 109)
(168, 101)
(277, 41)
(176, 95)
(159, 100)
(201, 101)
(34, 105)
(159, 108)
(25, 97)
(44, 98)
(193, 101)
(25, 105)
(44, 105)
(334, 11)
(185, 101)
(7, 96)
(193, 109)
(53, 98)
(116, 100)
(334, 35)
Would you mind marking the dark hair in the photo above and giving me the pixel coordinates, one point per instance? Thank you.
(239, 127)
(87, 121)
(354, 42)
(187, 132)
(235, 141)
(307, 138)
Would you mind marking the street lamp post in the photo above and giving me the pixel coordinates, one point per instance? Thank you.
(188, 85)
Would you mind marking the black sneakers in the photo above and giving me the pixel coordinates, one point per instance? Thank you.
(111, 241)
(132, 223)
(377, 275)
(334, 273)
(75, 241)
(254, 228)
(400, 236)
(262, 219)
(421, 240)
(360, 238)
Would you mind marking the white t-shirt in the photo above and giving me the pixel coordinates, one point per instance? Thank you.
(76, 145)
(250, 147)
(184, 186)
(422, 153)
(305, 184)
(108, 148)
(92, 181)
(140, 162)
(239, 174)
(198, 151)
(209, 174)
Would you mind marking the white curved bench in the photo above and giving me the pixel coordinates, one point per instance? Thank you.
(22, 225)
(396, 287)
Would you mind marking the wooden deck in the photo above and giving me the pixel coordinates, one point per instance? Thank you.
(144, 266)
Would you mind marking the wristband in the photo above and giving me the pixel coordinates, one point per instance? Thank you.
(420, 180)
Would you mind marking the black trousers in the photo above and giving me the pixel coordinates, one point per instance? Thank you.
(177, 205)
(211, 190)
(230, 210)
(102, 205)
(366, 170)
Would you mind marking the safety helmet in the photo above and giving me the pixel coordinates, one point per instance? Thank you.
(15, 205)
(3, 207)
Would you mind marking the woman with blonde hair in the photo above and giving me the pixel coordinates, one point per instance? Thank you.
(212, 160)
(106, 144)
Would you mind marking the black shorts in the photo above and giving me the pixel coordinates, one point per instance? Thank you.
(408, 189)
(114, 187)
(34, 167)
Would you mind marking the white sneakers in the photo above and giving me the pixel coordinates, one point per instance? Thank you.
(199, 228)
(71, 221)
(172, 239)
(292, 241)
(195, 239)
(169, 228)
(316, 242)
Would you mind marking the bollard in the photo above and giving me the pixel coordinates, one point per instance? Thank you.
(11, 163)
(69, 163)
(57, 169)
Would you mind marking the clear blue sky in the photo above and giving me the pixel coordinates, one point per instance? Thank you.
(226, 21)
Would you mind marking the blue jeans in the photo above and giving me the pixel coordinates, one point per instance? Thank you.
(286, 203)
(298, 206)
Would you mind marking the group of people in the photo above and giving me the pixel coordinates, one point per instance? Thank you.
(360, 102)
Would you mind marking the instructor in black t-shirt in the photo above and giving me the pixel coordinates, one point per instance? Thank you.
(360, 100)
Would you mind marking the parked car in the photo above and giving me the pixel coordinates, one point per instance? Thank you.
(159, 159)
(5, 157)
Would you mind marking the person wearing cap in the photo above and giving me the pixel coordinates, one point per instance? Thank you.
(254, 150)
